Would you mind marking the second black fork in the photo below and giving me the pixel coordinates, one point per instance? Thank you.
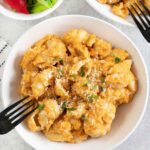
(141, 19)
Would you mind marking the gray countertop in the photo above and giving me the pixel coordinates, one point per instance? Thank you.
(11, 30)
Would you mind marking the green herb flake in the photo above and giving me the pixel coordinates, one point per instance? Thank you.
(112, 54)
(83, 118)
(102, 80)
(82, 72)
(74, 76)
(95, 87)
(92, 97)
(64, 106)
(41, 107)
(85, 84)
(117, 60)
(71, 109)
(101, 88)
(60, 72)
(61, 61)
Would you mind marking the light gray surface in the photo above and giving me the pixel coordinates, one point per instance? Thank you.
(11, 30)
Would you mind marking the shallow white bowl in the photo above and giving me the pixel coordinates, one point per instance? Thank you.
(128, 116)
(20, 16)
(105, 10)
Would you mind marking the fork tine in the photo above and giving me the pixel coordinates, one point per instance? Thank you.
(147, 10)
(136, 21)
(18, 114)
(142, 20)
(23, 117)
(14, 105)
(146, 18)
(16, 110)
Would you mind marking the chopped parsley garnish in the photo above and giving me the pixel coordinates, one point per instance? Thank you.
(85, 84)
(102, 80)
(92, 97)
(95, 87)
(117, 60)
(71, 109)
(41, 107)
(112, 54)
(61, 61)
(74, 76)
(64, 106)
(82, 72)
(83, 118)
(101, 88)
(60, 72)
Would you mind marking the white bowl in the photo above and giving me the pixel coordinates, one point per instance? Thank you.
(20, 16)
(128, 116)
(105, 10)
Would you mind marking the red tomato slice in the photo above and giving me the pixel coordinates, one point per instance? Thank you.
(18, 5)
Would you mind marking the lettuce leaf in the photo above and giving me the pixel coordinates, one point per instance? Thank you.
(36, 6)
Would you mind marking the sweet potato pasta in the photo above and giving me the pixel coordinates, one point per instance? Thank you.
(78, 80)
(120, 7)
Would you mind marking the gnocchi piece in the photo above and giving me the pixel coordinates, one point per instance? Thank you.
(49, 114)
(122, 67)
(120, 80)
(133, 83)
(40, 82)
(117, 96)
(26, 80)
(76, 67)
(120, 53)
(32, 122)
(101, 48)
(60, 132)
(109, 1)
(120, 10)
(75, 124)
(91, 40)
(59, 89)
(79, 136)
(99, 118)
(43, 118)
(76, 36)
(76, 114)
(80, 50)
(55, 50)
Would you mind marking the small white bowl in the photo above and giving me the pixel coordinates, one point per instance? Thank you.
(105, 10)
(128, 116)
(20, 16)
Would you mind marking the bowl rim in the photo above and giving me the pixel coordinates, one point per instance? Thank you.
(108, 24)
(94, 5)
(20, 16)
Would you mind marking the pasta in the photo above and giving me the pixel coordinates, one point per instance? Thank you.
(120, 7)
(78, 80)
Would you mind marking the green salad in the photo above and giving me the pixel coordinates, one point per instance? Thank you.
(36, 6)
(30, 6)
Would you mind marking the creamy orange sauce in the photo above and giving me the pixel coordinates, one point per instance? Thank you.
(79, 80)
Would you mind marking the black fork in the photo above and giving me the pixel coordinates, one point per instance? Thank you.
(142, 20)
(15, 114)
